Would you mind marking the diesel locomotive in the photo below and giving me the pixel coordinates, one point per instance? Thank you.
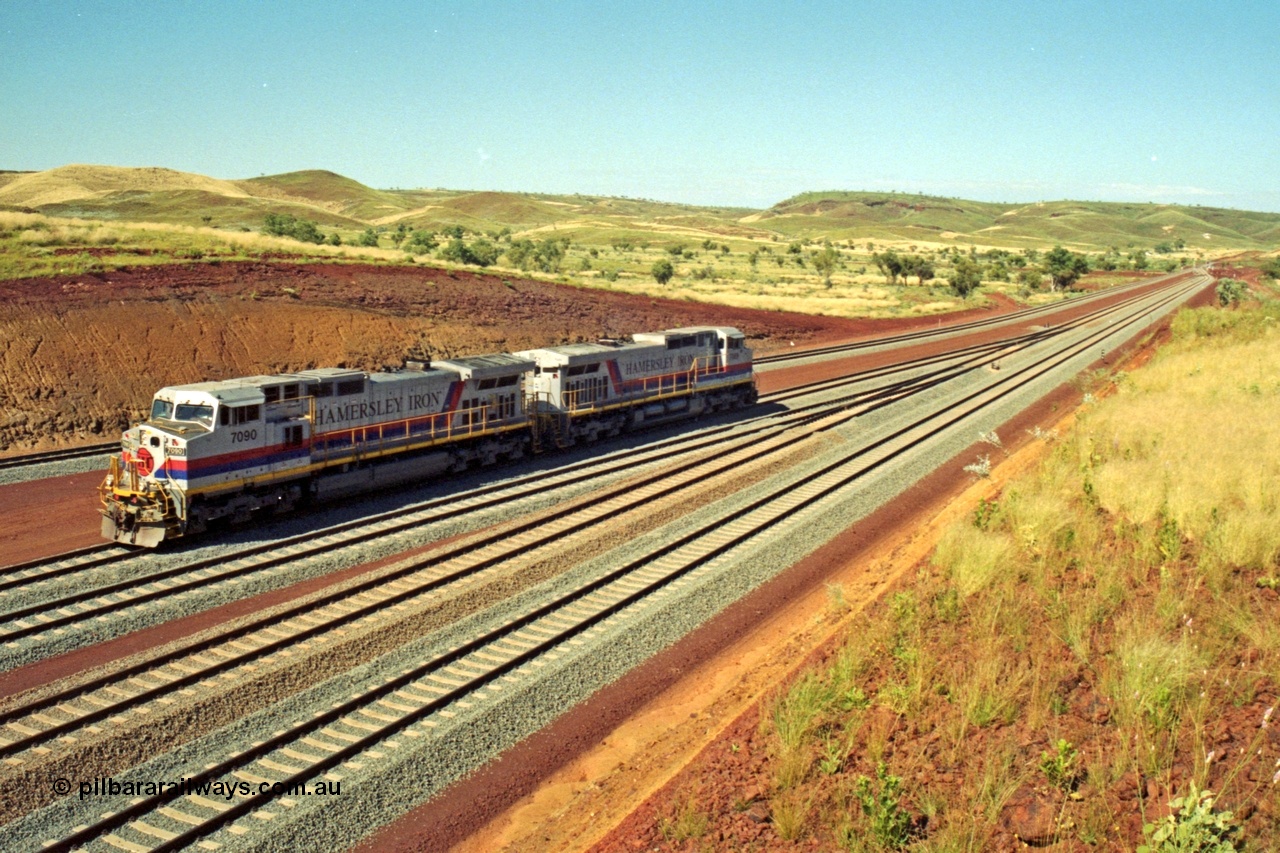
(237, 449)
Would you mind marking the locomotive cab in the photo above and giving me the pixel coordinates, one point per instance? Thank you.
(144, 494)
(202, 441)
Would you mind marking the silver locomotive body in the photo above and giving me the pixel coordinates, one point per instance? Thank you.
(263, 444)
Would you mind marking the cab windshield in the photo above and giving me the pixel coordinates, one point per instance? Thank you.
(201, 414)
(161, 410)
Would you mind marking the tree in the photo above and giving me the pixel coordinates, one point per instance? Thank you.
(965, 277)
(307, 231)
(284, 225)
(890, 265)
(918, 267)
(1064, 267)
(825, 263)
(421, 241)
(369, 238)
(481, 253)
(484, 253)
(545, 256)
(456, 251)
(278, 224)
(662, 271)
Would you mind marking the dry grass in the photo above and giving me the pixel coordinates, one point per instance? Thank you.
(1123, 575)
(1203, 471)
(28, 241)
(973, 557)
(37, 245)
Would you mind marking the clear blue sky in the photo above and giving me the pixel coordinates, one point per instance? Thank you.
(728, 103)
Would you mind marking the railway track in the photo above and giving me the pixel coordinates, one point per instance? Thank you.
(123, 598)
(104, 703)
(27, 460)
(68, 563)
(32, 572)
(374, 724)
(950, 330)
(89, 704)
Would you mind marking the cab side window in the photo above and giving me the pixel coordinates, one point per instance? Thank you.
(236, 415)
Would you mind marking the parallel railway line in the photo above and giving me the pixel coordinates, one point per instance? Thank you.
(62, 564)
(88, 451)
(369, 599)
(949, 330)
(36, 722)
(410, 706)
(94, 603)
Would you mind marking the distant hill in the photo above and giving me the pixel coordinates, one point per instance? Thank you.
(897, 216)
(337, 202)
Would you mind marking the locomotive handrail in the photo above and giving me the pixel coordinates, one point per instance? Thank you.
(680, 382)
(359, 439)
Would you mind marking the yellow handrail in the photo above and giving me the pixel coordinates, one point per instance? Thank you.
(374, 437)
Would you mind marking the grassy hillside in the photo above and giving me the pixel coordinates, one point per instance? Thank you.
(1079, 225)
(818, 253)
(326, 191)
(337, 202)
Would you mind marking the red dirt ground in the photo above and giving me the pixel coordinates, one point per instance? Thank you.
(88, 351)
(80, 356)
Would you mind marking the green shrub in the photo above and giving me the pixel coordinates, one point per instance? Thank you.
(1230, 291)
(284, 225)
(1060, 767)
(1193, 827)
(890, 823)
(481, 253)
